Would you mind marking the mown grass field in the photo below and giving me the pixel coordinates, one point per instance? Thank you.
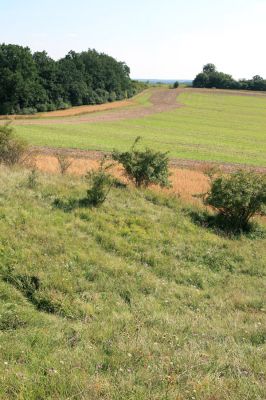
(212, 127)
(129, 301)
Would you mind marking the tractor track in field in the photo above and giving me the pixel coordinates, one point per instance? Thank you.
(161, 100)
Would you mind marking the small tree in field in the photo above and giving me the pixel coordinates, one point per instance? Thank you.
(63, 162)
(101, 183)
(237, 197)
(12, 149)
(176, 85)
(144, 167)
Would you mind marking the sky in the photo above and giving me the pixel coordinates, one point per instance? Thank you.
(158, 39)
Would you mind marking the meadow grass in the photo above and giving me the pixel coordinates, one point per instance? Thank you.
(143, 98)
(129, 301)
(210, 127)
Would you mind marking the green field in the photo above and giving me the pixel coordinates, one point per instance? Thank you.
(214, 127)
(129, 301)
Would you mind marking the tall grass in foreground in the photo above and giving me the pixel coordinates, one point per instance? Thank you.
(128, 301)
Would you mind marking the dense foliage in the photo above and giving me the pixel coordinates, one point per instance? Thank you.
(211, 78)
(12, 148)
(176, 85)
(144, 167)
(237, 197)
(35, 82)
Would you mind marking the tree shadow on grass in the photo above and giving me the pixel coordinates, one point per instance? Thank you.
(29, 286)
(219, 225)
(71, 204)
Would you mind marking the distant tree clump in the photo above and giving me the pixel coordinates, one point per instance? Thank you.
(176, 85)
(209, 68)
(31, 83)
(211, 78)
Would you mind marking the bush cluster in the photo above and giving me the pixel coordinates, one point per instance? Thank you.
(101, 183)
(12, 148)
(237, 197)
(144, 167)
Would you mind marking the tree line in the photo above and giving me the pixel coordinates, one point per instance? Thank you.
(211, 78)
(34, 82)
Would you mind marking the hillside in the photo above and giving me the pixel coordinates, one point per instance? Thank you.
(133, 300)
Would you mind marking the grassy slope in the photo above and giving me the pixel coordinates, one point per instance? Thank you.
(135, 301)
(209, 127)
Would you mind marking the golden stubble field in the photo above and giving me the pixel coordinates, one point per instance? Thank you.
(185, 182)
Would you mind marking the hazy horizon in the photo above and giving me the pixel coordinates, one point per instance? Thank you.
(156, 39)
(162, 79)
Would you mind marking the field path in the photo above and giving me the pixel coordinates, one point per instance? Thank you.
(160, 100)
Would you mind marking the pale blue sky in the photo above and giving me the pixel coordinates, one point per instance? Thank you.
(156, 38)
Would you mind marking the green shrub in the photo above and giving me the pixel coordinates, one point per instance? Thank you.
(237, 197)
(100, 185)
(51, 107)
(144, 167)
(12, 149)
(101, 96)
(32, 180)
(176, 85)
(28, 111)
(112, 96)
(41, 107)
(62, 105)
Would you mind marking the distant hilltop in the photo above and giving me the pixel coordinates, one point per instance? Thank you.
(165, 81)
